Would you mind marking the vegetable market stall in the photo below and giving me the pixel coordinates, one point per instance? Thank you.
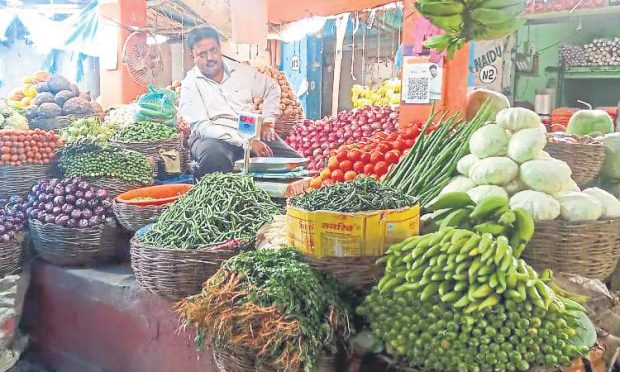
(465, 285)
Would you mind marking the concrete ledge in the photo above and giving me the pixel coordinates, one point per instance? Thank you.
(99, 319)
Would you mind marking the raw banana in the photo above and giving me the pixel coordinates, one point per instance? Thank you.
(455, 218)
(449, 22)
(450, 200)
(440, 8)
(491, 228)
(488, 206)
(499, 4)
(524, 226)
(500, 251)
(507, 218)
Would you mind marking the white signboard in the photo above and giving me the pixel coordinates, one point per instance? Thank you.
(491, 64)
(422, 81)
(295, 63)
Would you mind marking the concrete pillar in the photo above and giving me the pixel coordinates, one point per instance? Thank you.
(117, 86)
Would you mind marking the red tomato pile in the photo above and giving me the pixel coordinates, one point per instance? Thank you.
(372, 158)
(28, 147)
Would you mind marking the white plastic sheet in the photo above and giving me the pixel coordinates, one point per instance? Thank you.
(12, 293)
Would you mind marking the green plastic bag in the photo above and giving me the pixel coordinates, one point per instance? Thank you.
(157, 105)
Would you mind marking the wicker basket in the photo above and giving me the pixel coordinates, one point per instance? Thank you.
(357, 272)
(229, 361)
(585, 158)
(19, 180)
(285, 123)
(71, 246)
(56, 123)
(177, 273)
(151, 149)
(133, 217)
(115, 186)
(11, 256)
(589, 249)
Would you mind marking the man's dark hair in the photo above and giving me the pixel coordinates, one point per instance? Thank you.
(432, 67)
(200, 33)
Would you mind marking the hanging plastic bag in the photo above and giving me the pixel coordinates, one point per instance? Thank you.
(157, 105)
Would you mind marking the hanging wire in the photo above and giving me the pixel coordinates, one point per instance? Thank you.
(356, 26)
(364, 55)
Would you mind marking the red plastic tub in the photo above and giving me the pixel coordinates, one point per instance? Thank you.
(162, 194)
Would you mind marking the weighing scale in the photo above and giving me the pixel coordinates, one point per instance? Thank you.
(249, 129)
(280, 177)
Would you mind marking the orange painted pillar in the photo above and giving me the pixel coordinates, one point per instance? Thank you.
(117, 86)
(454, 91)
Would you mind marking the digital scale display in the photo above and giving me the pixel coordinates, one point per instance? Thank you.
(248, 125)
(248, 128)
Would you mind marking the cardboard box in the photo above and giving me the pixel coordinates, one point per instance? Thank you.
(333, 234)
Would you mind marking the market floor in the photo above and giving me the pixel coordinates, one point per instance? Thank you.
(26, 366)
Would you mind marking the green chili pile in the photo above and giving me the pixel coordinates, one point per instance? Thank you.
(143, 131)
(220, 208)
(272, 306)
(359, 195)
(87, 159)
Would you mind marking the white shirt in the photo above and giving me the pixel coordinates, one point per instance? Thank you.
(434, 87)
(212, 109)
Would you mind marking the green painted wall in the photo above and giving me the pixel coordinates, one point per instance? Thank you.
(547, 40)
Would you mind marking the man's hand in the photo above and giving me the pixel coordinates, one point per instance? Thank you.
(260, 149)
(268, 133)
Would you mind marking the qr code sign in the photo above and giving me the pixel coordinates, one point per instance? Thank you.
(417, 89)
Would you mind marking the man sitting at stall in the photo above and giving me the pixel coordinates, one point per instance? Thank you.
(213, 94)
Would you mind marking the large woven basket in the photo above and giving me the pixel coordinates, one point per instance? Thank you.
(589, 249)
(151, 149)
(177, 273)
(584, 158)
(56, 123)
(65, 246)
(19, 180)
(133, 217)
(357, 272)
(285, 123)
(229, 361)
(11, 256)
(115, 186)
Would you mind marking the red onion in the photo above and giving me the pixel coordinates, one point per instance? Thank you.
(317, 139)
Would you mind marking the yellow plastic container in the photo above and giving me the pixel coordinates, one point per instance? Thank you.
(333, 234)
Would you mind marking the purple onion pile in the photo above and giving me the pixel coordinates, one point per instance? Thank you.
(69, 202)
(317, 140)
(12, 219)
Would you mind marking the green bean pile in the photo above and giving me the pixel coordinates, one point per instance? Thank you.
(430, 164)
(220, 208)
(359, 195)
(145, 131)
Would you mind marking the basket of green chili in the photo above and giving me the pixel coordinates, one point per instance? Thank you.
(212, 222)
(149, 138)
